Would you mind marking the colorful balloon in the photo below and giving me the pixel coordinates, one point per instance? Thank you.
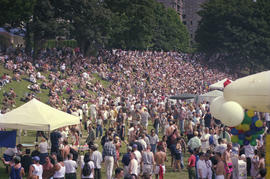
(234, 131)
(247, 119)
(245, 127)
(240, 142)
(234, 139)
(258, 123)
(253, 142)
(232, 114)
(250, 113)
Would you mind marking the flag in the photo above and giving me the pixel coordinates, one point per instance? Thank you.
(8, 139)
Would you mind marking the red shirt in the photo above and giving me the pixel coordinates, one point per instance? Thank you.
(192, 161)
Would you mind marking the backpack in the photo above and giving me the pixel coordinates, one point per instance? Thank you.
(86, 171)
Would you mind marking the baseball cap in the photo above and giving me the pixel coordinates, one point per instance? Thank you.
(36, 158)
(134, 146)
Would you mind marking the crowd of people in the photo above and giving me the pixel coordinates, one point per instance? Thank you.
(118, 113)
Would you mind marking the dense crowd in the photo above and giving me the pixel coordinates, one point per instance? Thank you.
(119, 113)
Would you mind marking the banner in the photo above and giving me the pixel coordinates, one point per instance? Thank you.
(8, 139)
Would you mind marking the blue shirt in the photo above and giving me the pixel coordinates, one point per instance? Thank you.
(109, 150)
(126, 159)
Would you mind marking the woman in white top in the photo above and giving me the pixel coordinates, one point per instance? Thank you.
(87, 167)
(133, 165)
(36, 170)
(59, 168)
(43, 148)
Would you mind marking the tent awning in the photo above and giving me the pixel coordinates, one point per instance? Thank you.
(183, 96)
(210, 96)
(37, 116)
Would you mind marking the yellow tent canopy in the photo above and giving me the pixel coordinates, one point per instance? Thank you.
(37, 116)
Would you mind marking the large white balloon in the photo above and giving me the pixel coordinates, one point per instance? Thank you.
(232, 113)
(215, 107)
(252, 92)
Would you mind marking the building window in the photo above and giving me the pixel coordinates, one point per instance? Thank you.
(184, 16)
(190, 22)
(184, 22)
(191, 35)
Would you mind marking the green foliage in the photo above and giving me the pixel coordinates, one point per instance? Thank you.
(146, 24)
(13, 12)
(61, 43)
(236, 31)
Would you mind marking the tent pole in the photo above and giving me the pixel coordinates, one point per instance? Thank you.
(20, 134)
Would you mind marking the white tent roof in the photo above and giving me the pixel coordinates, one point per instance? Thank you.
(37, 116)
(210, 95)
(219, 85)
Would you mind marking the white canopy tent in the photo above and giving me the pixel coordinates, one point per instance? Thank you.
(37, 116)
(211, 95)
(219, 85)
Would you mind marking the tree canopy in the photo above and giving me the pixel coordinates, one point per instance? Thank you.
(236, 32)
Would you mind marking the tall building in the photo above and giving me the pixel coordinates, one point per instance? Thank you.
(187, 10)
(190, 17)
(175, 4)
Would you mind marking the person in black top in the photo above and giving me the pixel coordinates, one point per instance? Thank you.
(55, 136)
(35, 152)
(207, 119)
(26, 161)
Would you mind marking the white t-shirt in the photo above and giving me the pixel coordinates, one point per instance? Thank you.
(38, 170)
(138, 156)
(134, 167)
(91, 164)
(43, 147)
(242, 169)
(71, 166)
(201, 165)
(96, 157)
(205, 145)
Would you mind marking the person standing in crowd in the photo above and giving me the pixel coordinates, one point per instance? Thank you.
(138, 156)
(16, 171)
(126, 160)
(153, 139)
(99, 123)
(209, 166)
(43, 148)
(36, 169)
(145, 116)
(48, 169)
(249, 153)
(71, 167)
(55, 136)
(133, 167)
(201, 167)
(254, 165)
(87, 167)
(194, 142)
(96, 157)
(205, 140)
(228, 161)
(109, 157)
(160, 158)
(91, 136)
(148, 161)
(220, 170)
(208, 119)
(191, 165)
(242, 167)
(59, 167)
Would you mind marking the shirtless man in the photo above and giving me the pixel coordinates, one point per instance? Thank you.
(220, 170)
(160, 158)
(66, 150)
(228, 161)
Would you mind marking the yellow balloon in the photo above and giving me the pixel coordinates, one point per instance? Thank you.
(239, 127)
(234, 138)
(245, 127)
(259, 123)
(250, 113)
(249, 138)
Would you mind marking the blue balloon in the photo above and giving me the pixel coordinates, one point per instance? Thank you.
(254, 119)
(241, 136)
(234, 131)
(246, 142)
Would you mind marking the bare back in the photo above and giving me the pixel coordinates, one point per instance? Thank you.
(160, 158)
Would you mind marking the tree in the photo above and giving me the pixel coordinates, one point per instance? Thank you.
(236, 32)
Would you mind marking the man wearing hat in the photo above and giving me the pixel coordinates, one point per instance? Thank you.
(36, 169)
(96, 157)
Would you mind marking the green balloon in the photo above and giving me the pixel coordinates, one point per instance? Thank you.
(247, 119)
(260, 132)
(240, 142)
(253, 143)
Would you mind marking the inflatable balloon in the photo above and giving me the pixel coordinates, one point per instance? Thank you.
(215, 107)
(234, 131)
(234, 139)
(251, 92)
(247, 119)
(241, 142)
(258, 123)
(245, 127)
(253, 142)
(232, 114)
(250, 113)
(246, 142)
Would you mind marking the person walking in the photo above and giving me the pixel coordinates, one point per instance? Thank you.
(109, 157)
(96, 157)
(71, 167)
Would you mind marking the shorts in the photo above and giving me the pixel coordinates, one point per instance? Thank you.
(147, 169)
(229, 168)
(157, 169)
